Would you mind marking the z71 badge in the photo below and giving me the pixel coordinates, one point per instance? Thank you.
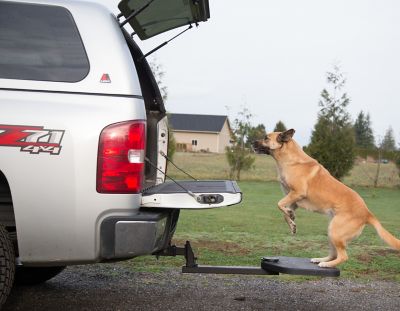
(32, 139)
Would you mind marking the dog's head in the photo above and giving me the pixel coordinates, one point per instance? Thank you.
(273, 141)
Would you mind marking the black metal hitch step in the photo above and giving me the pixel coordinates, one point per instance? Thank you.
(269, 265)
(228, 270)
(296, 265)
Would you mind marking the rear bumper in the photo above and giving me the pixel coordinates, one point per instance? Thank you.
(142, 234)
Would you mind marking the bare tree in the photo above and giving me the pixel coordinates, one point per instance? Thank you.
(239, 157)
(378, 168)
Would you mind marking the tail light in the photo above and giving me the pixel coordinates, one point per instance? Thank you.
(120, 163)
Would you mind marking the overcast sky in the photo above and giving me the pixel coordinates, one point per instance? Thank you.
(272, 56)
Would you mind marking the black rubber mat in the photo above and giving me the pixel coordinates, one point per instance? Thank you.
(295, 265)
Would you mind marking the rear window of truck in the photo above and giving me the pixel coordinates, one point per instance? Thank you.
(40, 42)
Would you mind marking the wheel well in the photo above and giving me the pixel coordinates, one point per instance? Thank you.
(7, 218)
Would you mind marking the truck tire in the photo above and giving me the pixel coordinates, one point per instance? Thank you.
(35, 275)
(7, 265)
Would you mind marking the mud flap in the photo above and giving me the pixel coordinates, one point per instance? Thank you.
(295, 265)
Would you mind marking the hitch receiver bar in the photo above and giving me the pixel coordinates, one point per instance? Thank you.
(269, 265)
(191, 265)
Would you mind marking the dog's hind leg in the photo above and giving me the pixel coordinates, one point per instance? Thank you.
(341, 231)
(340, 246)
(332, 255)
(332, 251)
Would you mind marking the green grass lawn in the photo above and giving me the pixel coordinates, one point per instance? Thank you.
(241, 234)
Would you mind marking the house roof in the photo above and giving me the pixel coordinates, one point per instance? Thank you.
(196, 122)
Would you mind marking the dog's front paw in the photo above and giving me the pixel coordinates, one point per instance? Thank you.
(315, 260)
(293, 227)
(291, 214)
(291, 224)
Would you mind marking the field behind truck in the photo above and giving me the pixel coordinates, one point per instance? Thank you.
(241, 234)
(215, 166)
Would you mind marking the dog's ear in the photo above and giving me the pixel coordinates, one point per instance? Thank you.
(284, 137)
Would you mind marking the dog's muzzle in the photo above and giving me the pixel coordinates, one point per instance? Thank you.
(260, 148)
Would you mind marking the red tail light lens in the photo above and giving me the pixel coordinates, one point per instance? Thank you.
(120, 163)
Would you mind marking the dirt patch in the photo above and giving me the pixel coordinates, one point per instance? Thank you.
(364, 258)
(230, 248)
(369, 257)
(386, 251)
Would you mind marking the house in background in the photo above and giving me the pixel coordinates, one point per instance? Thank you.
(198, 132)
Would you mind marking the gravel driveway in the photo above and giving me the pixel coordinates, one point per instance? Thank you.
(116, 287)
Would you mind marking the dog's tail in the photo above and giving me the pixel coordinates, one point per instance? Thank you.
(383, 233)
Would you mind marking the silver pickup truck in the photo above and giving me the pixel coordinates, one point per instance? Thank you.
(83, 137)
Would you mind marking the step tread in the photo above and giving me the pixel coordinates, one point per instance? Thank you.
(296, 265)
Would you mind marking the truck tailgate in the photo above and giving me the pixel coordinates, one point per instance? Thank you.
(192, 194)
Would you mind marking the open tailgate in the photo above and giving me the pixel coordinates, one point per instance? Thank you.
(194, 194)
(160, 15)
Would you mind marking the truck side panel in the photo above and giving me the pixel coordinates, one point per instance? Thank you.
(57, 209)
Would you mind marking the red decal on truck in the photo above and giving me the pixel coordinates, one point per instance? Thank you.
(32, 139)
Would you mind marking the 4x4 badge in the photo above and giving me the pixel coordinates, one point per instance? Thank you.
(32, 139)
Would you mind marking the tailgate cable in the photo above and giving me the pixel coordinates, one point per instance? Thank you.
(193, 195)
(169, 160)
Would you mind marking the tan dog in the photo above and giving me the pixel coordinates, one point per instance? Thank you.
(309, 185)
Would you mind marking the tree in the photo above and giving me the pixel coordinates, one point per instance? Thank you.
(388, 142)
(238, 156)
(364, 136)
(159, 73)
(378, 167)
(398, 161)
(332, 140)
(255, 133)
(280, 127)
